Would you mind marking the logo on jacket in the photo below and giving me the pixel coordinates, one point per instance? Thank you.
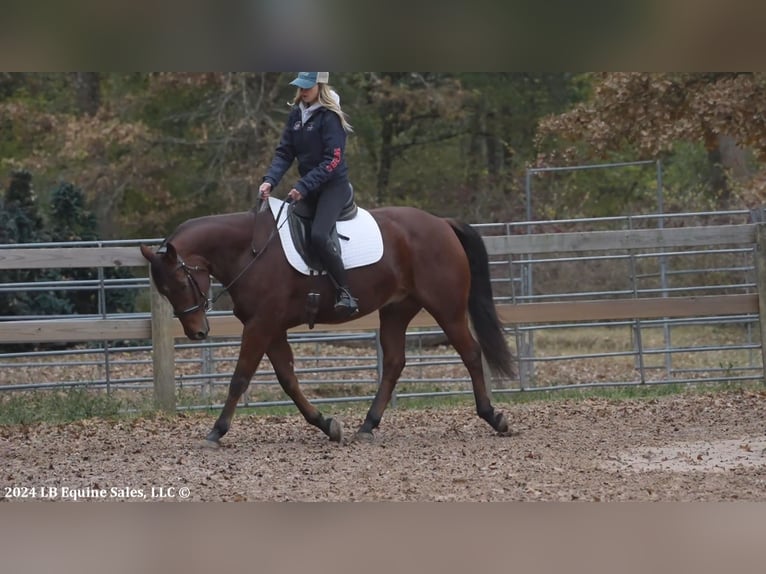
(309, 126)
(297, 126)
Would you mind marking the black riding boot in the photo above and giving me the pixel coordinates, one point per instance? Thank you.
(345, 303)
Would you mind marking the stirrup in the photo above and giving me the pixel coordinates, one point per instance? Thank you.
(345, 303)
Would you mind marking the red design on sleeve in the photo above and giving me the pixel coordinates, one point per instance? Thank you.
(335, 159)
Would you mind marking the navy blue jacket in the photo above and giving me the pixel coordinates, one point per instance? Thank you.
(319, 146)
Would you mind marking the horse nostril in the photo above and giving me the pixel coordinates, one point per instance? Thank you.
(201, 335)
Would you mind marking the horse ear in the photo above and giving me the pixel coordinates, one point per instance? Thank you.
(146, 252)
(171, 254)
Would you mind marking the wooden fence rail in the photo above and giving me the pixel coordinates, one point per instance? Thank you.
(163, 329)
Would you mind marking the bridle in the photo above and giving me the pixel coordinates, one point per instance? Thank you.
(203, 301)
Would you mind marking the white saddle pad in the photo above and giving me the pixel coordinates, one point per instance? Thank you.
(364, 246)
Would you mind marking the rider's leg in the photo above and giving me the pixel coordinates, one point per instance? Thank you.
(331, 201)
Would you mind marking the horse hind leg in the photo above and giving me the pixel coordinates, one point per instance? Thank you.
(281, 356)
(457, 331)
(394, 319)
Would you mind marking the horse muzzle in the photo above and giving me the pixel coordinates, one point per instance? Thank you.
(197, 335)
(197, 332)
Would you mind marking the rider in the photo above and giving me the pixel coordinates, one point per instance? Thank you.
(315, 135)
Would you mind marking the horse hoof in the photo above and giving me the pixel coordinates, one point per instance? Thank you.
(363, 436)
(335, 431)
(208, 444)
(212, 440)
(501, 424)
(503, 428)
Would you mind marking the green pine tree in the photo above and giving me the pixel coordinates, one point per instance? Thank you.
(20, 223)
(72, 221)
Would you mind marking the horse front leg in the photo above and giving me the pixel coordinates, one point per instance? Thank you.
(281, 356)
(251, 352)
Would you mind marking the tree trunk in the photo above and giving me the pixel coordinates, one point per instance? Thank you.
(728, 162)
(386, 160)
(476, 155)
(88, 92)
(734, 158)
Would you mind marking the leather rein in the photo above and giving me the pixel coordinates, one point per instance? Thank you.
(206, 303)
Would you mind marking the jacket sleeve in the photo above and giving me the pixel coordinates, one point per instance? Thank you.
(333, 149)
(284, 154)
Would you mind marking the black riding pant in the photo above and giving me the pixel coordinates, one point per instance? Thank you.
(330, 201)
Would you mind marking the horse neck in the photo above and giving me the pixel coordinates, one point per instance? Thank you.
(220, 242)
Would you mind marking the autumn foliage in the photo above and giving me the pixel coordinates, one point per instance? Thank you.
(151, 149)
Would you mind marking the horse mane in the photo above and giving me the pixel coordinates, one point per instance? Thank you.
(224, 223)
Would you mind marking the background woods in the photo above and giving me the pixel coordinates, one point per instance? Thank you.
(151, 149)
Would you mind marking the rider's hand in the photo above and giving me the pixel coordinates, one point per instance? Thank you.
(295, 195)
(265, 190)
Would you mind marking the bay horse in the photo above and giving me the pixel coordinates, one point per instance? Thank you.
(428, 262)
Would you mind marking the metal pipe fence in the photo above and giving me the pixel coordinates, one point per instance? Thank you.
(345, 366)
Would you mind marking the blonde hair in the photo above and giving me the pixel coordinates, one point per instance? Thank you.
(328, 101)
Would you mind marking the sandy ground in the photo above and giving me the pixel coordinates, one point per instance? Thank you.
(708, 447)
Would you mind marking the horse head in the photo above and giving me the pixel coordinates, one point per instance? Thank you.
(184, 285)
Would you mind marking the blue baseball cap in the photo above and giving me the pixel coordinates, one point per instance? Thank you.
(308, 80)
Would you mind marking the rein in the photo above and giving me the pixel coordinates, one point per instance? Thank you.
(253, 251)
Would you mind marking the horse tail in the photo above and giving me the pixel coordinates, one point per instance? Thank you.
(481, 306)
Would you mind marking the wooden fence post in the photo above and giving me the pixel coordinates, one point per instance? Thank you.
(163, 350)
(760, 267)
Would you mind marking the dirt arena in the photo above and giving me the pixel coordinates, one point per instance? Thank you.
(700, 447)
